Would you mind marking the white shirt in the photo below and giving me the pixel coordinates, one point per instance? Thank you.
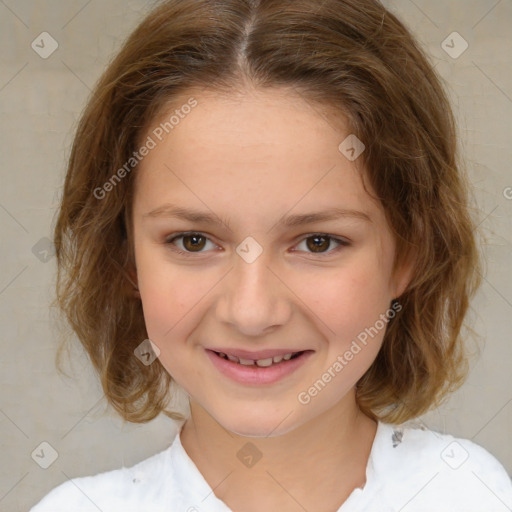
(409, 470)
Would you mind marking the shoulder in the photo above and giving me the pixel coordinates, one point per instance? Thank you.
(424, 469)
(138, 488)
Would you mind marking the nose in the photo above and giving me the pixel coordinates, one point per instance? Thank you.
(253, 300)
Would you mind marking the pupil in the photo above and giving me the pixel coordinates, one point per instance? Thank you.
(315, 247)
(195, 244)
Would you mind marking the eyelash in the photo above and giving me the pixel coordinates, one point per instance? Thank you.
(342, 243)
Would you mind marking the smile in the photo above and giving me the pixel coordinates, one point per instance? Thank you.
(260, 362)
(261, 371)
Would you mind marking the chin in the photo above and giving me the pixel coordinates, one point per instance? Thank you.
(258, 423)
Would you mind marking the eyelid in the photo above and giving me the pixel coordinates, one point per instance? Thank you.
(341, 241)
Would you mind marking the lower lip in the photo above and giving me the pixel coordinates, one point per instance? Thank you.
(257, 375)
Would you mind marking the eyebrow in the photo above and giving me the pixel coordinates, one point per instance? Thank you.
(191, 215)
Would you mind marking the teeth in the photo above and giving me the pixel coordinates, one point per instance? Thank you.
(264, 362)
(259, 362)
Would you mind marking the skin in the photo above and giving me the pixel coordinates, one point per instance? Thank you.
(251, 159)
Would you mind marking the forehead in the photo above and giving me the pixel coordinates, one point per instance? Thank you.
(267, 147)
(253, 117)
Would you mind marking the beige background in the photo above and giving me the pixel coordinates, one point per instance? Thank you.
(40, 101)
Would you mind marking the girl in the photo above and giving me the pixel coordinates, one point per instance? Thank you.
(264, 205)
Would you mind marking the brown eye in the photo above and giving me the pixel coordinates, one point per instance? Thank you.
(194, 242)
(318, 243)
(322, 244)
(189, 243)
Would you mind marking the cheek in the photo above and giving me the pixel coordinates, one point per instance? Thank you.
(167, 300)
(165, 304)
(166, 294)
(348, 299)
(172, 297)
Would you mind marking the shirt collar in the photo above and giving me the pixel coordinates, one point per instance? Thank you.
(195, 494)
(193, 491)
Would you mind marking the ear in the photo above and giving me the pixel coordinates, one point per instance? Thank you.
(402, 276)
(129, 266)
(131, 272)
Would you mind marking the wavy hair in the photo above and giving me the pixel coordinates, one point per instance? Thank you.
(354, 57)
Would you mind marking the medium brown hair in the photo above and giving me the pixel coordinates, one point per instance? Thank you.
(354, 57)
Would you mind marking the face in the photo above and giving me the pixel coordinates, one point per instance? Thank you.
(255, 238)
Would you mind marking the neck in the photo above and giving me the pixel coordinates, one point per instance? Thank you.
(335, 444)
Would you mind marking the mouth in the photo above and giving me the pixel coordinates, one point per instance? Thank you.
(262, 368)
(262, 362)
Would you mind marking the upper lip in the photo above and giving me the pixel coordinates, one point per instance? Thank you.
(256, 355)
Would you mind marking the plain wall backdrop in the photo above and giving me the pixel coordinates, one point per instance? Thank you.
(40, 102)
